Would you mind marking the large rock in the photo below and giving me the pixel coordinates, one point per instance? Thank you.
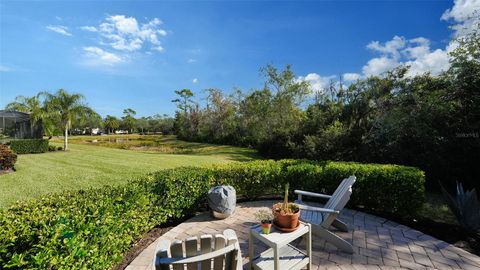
(222, 201)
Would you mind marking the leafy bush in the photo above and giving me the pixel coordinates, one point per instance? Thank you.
(29, 146)
(7, 158)
(93, 229)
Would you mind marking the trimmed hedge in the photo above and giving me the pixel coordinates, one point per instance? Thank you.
(29, 146)
(93, 229)
(380, 188)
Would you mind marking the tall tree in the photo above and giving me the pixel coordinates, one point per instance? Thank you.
(67, 107)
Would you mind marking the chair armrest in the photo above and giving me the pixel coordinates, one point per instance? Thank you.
(312, 194)
(318, 209)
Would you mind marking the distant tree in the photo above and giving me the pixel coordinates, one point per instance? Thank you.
(184, 99)
(66, 108)
(111, 123)
(142, 124)
(186, 119)
(128, 119)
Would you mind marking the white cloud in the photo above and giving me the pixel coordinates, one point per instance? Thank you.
(158, 48)
(349, 77)
(59, 29)
(317, 83)
(415, 53)
(466, 15)
(195, 80)
(191, 60)
(97, 57)
(379, 65)
(390, 48)
(89, 28)
(126, 34)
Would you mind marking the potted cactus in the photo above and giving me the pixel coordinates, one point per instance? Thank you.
(266, 218)
(286, 214)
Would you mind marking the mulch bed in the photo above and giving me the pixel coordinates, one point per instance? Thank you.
(145, 241)
(138, 247)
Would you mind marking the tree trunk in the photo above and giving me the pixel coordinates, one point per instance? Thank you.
(65, 140)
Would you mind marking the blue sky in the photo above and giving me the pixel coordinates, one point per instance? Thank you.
(122, 54)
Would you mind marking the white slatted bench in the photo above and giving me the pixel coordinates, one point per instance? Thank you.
(219, 252)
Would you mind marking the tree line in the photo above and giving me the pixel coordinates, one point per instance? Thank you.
(64, 113)
(432, 122)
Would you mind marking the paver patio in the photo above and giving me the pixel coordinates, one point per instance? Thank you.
(378, 243)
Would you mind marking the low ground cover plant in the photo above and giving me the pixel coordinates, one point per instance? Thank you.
(29, 146)
(93, 229)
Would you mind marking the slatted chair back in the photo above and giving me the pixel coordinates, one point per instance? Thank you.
(209, 252)
(339, 199)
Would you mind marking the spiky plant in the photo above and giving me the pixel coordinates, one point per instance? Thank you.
(465, 206)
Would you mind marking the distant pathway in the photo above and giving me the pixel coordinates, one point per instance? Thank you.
(378, 243)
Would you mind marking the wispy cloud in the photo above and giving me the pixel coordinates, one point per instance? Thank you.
(59, 29)
(191, 60)
(89, 28)
(98, 57)
(195, 80)
(4, 68)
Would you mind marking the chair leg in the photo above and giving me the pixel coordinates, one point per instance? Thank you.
(333, 239)
(340, 225)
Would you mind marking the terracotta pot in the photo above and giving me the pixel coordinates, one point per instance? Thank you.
(266, 227)
(289, 221)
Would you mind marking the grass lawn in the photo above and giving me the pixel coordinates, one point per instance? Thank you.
(93, 166)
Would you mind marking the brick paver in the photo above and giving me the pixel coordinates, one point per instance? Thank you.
(378, 243)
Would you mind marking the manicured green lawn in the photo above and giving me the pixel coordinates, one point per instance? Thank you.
(93, 166)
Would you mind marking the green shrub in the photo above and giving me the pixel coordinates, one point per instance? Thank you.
(380, 188)
(93, 229)
(29, 146)
(7, 158)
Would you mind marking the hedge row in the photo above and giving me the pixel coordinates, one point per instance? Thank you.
(379, 188)
(93, 229)
(29, 146)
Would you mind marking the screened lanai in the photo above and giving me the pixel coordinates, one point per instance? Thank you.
(17, 125)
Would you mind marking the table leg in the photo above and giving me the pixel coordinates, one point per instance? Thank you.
(309, 247)
(276, 265)
(250, 249)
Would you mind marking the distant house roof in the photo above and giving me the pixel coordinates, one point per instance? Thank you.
(14, 115)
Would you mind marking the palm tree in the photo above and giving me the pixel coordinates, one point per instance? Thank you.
(111, 123)
(31, 105)
(67, 107)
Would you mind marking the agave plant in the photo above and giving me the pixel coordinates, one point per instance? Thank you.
(465, 206)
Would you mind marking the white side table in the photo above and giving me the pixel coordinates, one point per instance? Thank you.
(281, 255)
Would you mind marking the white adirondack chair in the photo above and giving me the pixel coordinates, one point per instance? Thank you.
(219, 252)
(322, 218)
